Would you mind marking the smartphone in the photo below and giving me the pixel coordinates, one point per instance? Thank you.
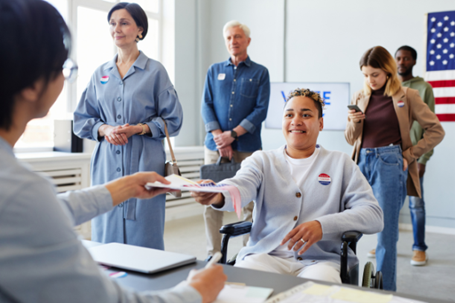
(355, 107)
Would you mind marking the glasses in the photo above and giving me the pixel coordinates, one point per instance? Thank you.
(70, 70)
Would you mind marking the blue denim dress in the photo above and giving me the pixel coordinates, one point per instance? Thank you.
(144, 95)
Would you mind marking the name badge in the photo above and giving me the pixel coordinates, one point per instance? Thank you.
(221, 76)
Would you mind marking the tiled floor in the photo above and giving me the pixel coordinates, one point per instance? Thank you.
(436, 280)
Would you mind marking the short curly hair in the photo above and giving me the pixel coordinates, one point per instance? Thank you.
(305, 92)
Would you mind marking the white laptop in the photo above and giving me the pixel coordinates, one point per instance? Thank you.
(138, 258)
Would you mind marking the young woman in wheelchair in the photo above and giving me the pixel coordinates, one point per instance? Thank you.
(305, 197)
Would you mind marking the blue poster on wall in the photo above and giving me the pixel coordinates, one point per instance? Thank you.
(335, 95)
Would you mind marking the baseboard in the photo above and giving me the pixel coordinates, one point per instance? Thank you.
(430, 229)
(183, 211)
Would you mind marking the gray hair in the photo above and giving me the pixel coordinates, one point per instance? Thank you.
(235, 23)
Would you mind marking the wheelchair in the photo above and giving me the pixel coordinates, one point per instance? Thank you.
(349, 239)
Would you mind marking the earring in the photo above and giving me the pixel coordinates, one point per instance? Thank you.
(140, 36)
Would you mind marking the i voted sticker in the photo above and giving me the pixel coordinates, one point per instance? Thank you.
(116, 275)
(221, 76)
(400, 103)
(324, 179)
(104, 79)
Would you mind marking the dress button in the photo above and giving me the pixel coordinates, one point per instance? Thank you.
(230, 119)
(298, 195)
(295, 218)
(117, 152)
(119, 117)
(235, 80)
(232, 105)
(251, 80)
(118, 169)
(300, 258)
(233, 92)
(119, 99)
(120, 205)
(120, 83)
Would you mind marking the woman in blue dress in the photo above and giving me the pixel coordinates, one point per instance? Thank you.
(124, 108)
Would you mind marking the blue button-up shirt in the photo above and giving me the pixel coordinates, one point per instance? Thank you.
(236, 95)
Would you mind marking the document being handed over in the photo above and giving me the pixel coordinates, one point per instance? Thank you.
(181, 183)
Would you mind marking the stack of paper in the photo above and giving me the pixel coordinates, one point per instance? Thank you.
(312, 292)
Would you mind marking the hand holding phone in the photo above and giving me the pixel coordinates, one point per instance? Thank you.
(355, 107)
(358, 115)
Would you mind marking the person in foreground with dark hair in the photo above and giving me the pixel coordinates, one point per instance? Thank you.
(304, 196)
(124, 108)
(406, 58)
(383, 148)
(41, 257)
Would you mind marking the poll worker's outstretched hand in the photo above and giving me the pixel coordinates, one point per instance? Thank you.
(133, 186)
(304, 235)
(217, 199)
(208, 282)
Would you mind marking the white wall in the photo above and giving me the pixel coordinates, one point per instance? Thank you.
(324, 43)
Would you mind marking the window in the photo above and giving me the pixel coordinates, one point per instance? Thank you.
(92, 46)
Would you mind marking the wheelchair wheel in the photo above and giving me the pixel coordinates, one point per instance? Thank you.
(378, 281)
(368, 274)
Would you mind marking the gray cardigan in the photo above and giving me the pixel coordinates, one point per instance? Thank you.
(343, 203)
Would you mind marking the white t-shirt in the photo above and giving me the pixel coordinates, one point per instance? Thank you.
(299, 170)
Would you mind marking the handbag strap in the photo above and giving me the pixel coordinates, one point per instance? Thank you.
(169, 143)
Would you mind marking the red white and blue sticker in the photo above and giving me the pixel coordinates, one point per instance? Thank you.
(104, 79)
(116, 275)
(324, 179)
(400, 103)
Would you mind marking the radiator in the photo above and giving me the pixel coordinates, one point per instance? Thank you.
(189, 160)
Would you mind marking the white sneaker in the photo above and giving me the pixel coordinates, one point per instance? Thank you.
(371, 253)
(419, 258)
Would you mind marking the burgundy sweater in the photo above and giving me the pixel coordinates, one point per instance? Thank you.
(381, 126)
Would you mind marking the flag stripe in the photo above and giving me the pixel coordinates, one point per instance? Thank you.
(440, 75)
(444, 109)
(446, 117)
(445, 100)
(444, 92)
(442, 83)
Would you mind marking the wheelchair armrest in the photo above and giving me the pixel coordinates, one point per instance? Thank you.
(351, 236)
(237, 228)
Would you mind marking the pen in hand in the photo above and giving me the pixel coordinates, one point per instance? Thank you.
(216, 257)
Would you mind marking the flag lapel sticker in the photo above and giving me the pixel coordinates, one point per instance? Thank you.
(104, 79)
(400, 103)
(324, 179)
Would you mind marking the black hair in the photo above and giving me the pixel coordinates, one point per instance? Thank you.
(35, 46)
(136, 12)
(409, 49)
(306, 92)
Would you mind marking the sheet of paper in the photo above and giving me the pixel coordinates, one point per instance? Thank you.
(233, 293)
(360, 296)
(310, 292)
(181, 183)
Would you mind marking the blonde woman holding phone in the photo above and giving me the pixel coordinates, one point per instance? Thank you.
(383, 148)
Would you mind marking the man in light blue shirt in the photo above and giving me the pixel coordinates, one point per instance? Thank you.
(234, 105)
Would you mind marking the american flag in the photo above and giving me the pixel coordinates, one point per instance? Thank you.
(440, 62)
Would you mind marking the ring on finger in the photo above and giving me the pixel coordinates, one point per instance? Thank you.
(303, 241)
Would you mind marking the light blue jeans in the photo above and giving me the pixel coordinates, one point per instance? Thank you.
(417, 209)
(383, 168)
